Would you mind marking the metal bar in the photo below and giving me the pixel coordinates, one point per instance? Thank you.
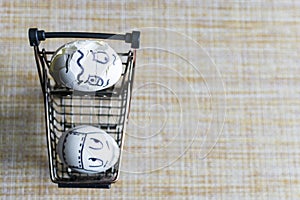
(36, 36)
(84, 185)
(40, 69)
(84, 35)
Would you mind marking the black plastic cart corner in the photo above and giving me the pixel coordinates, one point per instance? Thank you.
(64, 108)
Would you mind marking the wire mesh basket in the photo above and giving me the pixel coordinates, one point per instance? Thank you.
(64, 108)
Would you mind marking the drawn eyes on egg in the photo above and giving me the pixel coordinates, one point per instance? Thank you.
(97, 144)
(100, 56)
(97, 162)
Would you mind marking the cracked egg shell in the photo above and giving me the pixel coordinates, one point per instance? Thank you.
(86, 65)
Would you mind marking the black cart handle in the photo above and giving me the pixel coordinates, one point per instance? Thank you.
(36, 36)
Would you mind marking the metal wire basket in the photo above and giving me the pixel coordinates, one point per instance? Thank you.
(64, 108)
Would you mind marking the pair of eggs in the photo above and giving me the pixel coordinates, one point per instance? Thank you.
(86, 65)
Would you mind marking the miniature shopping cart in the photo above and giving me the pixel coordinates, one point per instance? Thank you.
(64, 108)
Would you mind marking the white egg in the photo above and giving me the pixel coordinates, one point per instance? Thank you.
(88, 149)
(86, 65)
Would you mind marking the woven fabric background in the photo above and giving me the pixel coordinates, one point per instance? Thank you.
(174, 148)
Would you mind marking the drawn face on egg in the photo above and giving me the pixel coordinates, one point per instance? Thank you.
(87, 65)
(95, 64)
(98, 153)
(88, 149)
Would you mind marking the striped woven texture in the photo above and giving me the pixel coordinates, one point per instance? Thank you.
(215, 106)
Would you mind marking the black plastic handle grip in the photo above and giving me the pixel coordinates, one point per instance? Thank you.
(36, 36)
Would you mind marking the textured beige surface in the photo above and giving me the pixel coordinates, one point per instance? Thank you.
(255, 47)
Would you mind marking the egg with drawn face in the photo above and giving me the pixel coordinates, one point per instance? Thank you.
(88, 149)
(86, 65)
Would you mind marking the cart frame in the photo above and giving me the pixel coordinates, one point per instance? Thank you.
(64, 108)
